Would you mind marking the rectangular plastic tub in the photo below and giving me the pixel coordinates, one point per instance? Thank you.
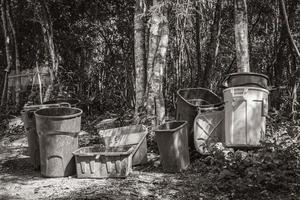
(101, 162)
(128, 135)
(172, 141)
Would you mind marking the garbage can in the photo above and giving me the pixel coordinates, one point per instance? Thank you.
(192, 100)
(28, 119)
(58, 130)
(172, 141)
(209, 128)
(246, 109)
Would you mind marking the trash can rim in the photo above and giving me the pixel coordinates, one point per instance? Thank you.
(243, 87)
(199, 88)
(79, 113)
(248, 73)
(184, 123)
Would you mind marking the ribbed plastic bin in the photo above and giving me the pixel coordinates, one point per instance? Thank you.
(58, 130)
(172, 141)
(192, 100)
(28, 118)
(128, 135)
(209, 129)
(246, 109)
(101, 162)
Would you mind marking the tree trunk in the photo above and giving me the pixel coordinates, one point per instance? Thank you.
(295, 79)
(241, 36)
(198, 47)
(286, 23)
(17, 58)
(158, 43)
(7, 51)
(139, 56)
(213, 46)
(47, 30)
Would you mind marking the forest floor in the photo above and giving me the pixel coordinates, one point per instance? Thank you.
(211, 177)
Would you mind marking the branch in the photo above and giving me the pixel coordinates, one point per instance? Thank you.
(286, 22)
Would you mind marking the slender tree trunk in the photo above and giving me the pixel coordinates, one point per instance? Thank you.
(139, 56)
(295, 82)
(280, 57)
(17, 59)
(7, 51)
(158, 43)
(241, 36)
(286, 23)
(198, 46)
(213, 47)
(47, 30)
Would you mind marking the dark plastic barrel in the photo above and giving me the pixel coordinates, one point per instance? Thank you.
(190, 101)
(28, 119)
(247, 79)
(172, 141)
(58, 130)
(72, 102)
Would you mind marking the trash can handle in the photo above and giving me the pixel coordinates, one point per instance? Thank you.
(64, 104)
(224, 81)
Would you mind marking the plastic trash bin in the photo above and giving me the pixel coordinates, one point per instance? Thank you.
(172, 141)
(192, 100)
(246, 109)
(58, 130)
(28, 119)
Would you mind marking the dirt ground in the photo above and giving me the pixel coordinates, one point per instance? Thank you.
(18, 180)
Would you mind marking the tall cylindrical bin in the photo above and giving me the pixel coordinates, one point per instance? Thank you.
(58, 130)
(172, 140)
(30, 128)
(246, 109)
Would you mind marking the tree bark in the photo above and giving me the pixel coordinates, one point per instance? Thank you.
(198, 46)
(158, 43)
(295, 82)
(286, 23)
(17, 58)
(47, 30)
(7, 51)
(241, 35)
(213, 47)
(139, 56)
